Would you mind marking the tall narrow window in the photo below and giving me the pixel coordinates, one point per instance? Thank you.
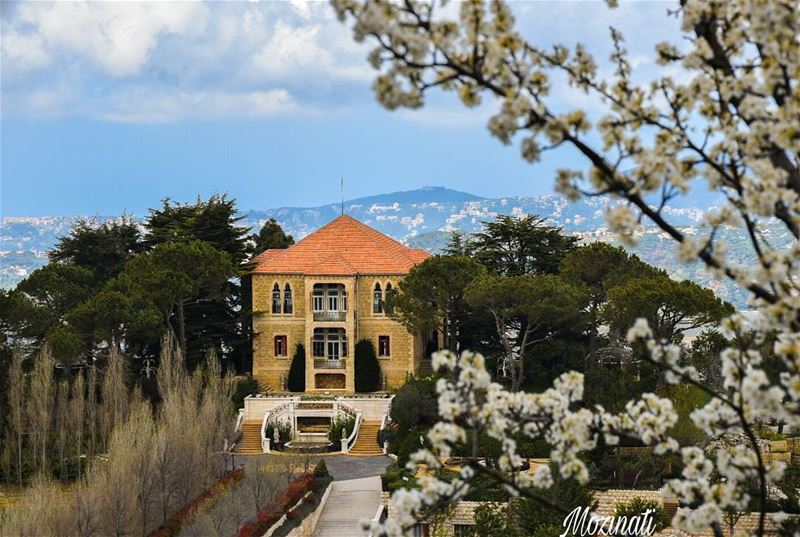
(319, 298)
(333, 299)
(318, 344)
(384, 348)
(343, 305)
(280, 345)
(287, 299)
(276, 299)
(377, 299)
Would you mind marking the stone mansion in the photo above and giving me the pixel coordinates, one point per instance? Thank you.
(327, 293)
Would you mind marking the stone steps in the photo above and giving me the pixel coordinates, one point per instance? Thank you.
(250, 441)
(367, 442)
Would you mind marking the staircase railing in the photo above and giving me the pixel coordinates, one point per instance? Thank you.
(351, 440)
(384, 424)
(269, 415)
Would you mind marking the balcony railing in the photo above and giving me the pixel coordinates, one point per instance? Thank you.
(330, 315)
(324, 363)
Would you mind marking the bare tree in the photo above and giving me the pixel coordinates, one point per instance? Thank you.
(115, 394)
(77, 409)
(86, 512)
(91, 410)
(16, 397)
(61, 419)
(41, 405)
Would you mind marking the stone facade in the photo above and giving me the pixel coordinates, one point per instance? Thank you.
(337, 278)
(358, 323)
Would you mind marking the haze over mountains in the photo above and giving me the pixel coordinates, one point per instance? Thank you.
(423, 218)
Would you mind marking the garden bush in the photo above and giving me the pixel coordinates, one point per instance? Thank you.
(335, 434)
(244, 387)
(284, 432)
(321, 469)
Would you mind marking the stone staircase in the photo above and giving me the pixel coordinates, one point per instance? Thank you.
(367, 441)
(250, 442)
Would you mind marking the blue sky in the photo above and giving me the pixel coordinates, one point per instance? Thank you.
(109, 107)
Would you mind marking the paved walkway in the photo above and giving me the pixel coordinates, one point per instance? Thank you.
(339, 466)
(344, 467)
(349, 502)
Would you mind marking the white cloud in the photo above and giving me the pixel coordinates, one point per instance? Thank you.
(168, 61)
(302, 52)
(146, 107)
(117, 37)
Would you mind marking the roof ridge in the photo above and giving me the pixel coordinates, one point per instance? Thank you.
(374, 234)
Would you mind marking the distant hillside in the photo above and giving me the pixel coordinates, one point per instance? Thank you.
(422, 218)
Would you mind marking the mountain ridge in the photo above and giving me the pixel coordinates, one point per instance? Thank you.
(420, 217)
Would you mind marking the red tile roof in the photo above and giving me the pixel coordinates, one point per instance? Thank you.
(342, 247)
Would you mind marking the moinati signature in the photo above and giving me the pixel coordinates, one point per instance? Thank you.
(581, 521)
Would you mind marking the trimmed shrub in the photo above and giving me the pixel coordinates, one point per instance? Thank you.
(321, 469)
(367, 368)
(297, 371)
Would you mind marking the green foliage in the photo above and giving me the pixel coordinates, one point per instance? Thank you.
(431, 296)
(37, 310)
(638, 469)
(213, 221)
(248, 385)
(284, 431)
(598, 268)
(495, 520)
(527, 308)
(638, 506)
(168, 281)
(685, 400)
(297, 371)
(271, 236)
(703, 354)
(512, 246)
(367, 368)
(217, 321)
(671, 307)
(398, 477)
(613, 386)
(103, 249)
(415, 404)
(341, 424)
(567, 494)
(321, 469)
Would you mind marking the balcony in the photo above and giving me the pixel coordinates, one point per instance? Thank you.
(323, 363)
(330, 315)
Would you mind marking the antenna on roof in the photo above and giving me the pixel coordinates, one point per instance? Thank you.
(341, 190)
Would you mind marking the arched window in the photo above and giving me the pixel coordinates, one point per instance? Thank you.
(287, 299)
(386, 294)
(377, 299)
(276, 298)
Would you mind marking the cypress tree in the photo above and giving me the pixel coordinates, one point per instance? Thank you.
(297, 372)
(367, 368)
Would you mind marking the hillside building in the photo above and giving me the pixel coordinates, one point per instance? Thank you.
(327, 293)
